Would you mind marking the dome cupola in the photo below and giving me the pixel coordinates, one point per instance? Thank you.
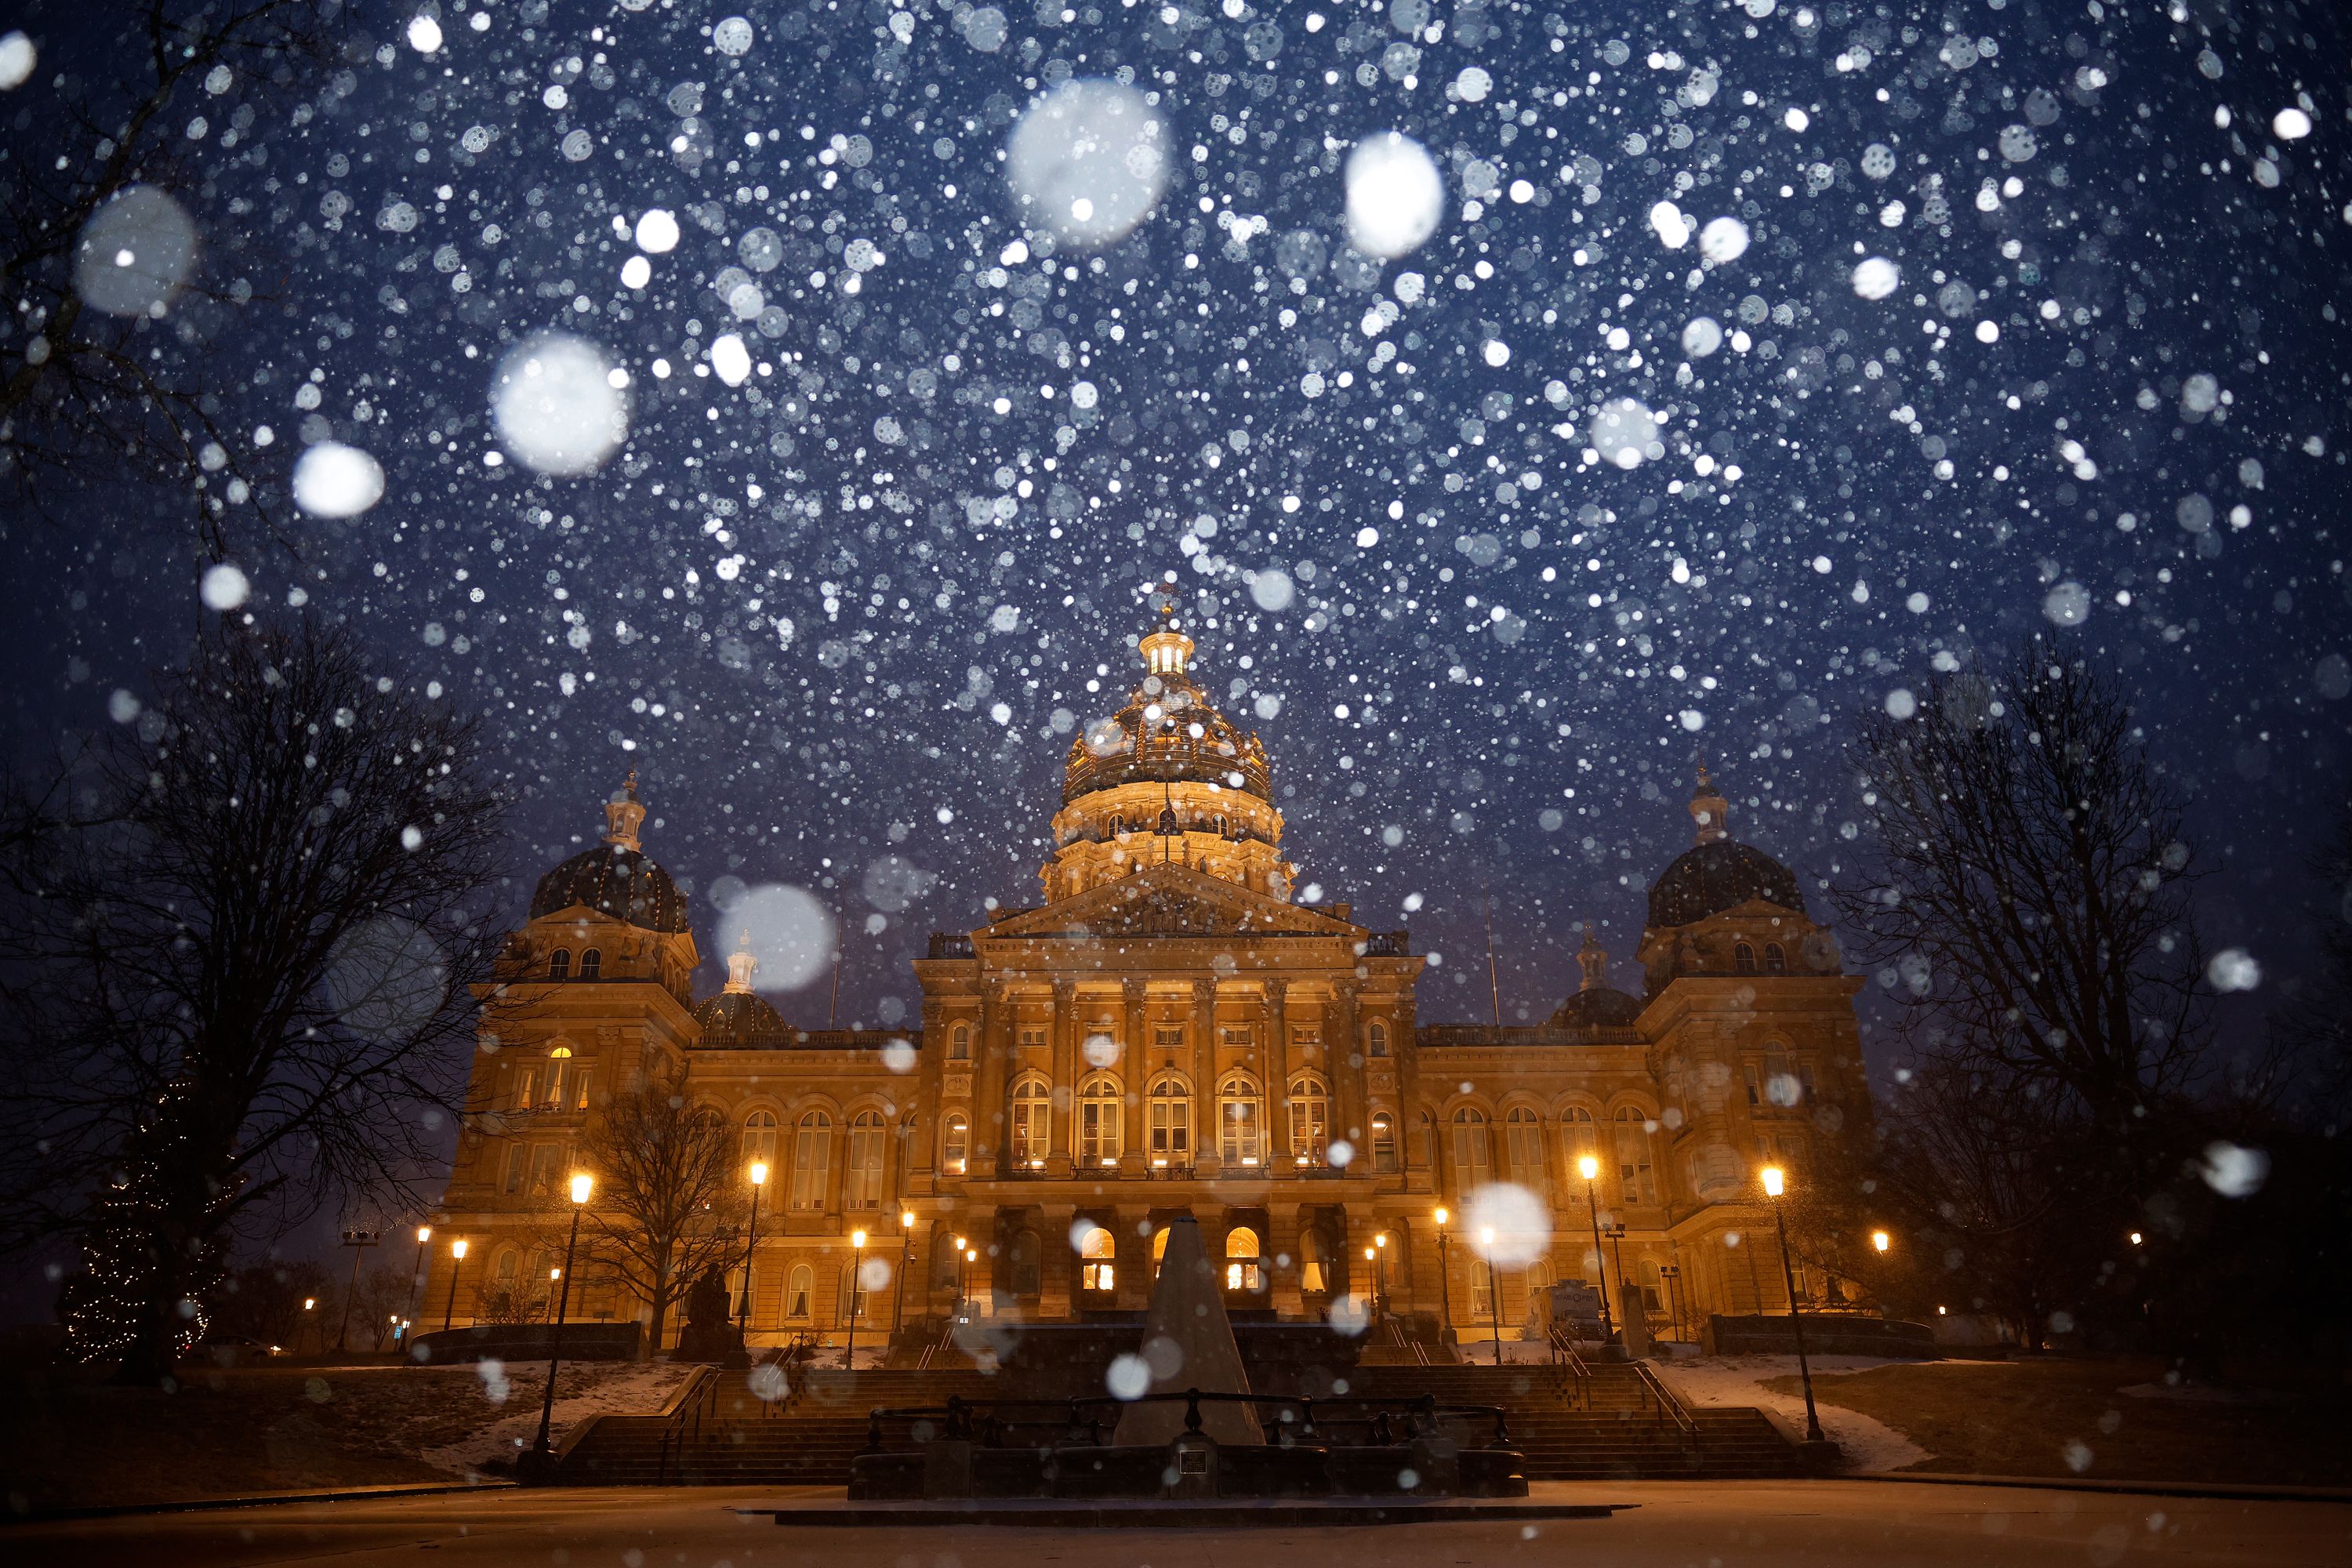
(1717, 872)
(614, 879)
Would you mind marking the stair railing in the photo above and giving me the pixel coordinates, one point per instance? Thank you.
(696, 1400)
(1572, 1367)
(1668, 1407)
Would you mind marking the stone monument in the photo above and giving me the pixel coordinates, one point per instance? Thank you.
(1186, 1332)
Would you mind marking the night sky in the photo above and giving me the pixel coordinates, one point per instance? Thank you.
(2026, 324)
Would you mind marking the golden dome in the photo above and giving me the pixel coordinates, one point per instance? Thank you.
(1169, 732)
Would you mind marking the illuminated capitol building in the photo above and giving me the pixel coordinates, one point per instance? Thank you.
(1168, 1033)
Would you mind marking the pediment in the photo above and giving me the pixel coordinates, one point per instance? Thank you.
(1168, 900)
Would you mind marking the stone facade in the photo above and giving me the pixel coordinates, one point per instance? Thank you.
(1169, 1033)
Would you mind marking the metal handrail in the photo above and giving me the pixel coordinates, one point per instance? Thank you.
(701, 1393)
(969, 1419)
(1579, 1374)
(1669, 1406)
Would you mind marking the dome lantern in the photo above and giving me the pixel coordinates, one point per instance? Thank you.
(1593, 960)
(741, 964)
(1710, 813)
(624, 814)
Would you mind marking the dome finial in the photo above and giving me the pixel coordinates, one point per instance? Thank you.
(741, 964)
(1710, 813)
(1593, 959)
(623, 816)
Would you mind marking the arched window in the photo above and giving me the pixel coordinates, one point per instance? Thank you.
(1776, 959)
(1311, 1119)
(1315, 1275)
(1636, 1184)
(811, 1161)
(1474, 1158)
(1159, 1249)
(798, 1288)
(1243, 1269)
(555, 1078)
(592, 964)
(1096, 1252)
(760, 1139)
(1100, 1123)
(1384, 1144)
(1025, 1272)
(1743, 958)
(508, 1261)
(960, 1043)
(1583, 1137)
(865, 1172)
(1377, 1039)
(559, 964)
(1033, 1126)
(954, 1145)
(1240, 1121)
(1171, 1122)
(1523, 1139)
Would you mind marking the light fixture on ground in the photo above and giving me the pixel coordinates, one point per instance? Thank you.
(1774, 1181)
(541, 1462)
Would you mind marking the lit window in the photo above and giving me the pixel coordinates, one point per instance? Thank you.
(865, 1173)
(1171, 1122)
(1095, 1253)
(1377, 1039)
(760, 1138)
(1384, 1145)
(1101, 1131)
(1032, 1122)
(1239, 1120)
(953, 1146)
(1243, 1269)
(811, 1161)
(797, 1293)
(1311, 1119)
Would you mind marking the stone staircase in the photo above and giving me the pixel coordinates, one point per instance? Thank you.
(1608, 1428)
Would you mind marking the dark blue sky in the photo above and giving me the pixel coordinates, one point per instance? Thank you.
(850, 609)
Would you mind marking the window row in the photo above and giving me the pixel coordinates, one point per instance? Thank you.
(810, 1178)
(591, 964)
(1523, 1149)
(1169, 1036)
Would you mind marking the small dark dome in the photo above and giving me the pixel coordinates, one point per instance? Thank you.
(615, 881)
(742, 1020)
(1708, 878)
(1597, 1008)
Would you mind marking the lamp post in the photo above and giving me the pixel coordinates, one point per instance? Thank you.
(359, 1241)
(856, 1296)
(1774, 1181)
(1444, 1283)
(906, 1255)
(964, 1283)
(1493, 1291)
(751, 1247)
(1590, 1169)
(1380, 1270)
(1372, 1284)
(417, 1284)
(542, 1453)
(1671, 1273)
(457, 1263)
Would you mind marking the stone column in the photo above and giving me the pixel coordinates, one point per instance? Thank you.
(988, 1132)
(1346, 1052)
(1204, 1077)
(923, 1148)
(1410, 1153)
(1065, 1087)
(1131, 1280)
(1135, 1080)
(1284, 1255)
(1277, 1087)
(1056, 1263)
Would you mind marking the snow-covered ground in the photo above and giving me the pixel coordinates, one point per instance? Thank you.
(638, 1388)
(1868, 1444)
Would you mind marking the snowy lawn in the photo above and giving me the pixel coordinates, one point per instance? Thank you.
(584, 1389)
(1868, 1444)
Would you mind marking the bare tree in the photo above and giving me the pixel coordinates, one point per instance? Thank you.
(241, 931)
(669, 1197)
(2025, 886)
(109, 364)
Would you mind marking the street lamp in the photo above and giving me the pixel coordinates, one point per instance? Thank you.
(1372, 1282)
(542, 1454)
(359, 1241)
(856, 1296)
(1494, 1292)
(1380, 1270)
(906, 1255)
(1774, 1181)
(1590, 1169)
(1880, 1241)
(963, 1281)
(1444, 1281)
(457, 1263)
(417, 1285)
(752, 1245)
